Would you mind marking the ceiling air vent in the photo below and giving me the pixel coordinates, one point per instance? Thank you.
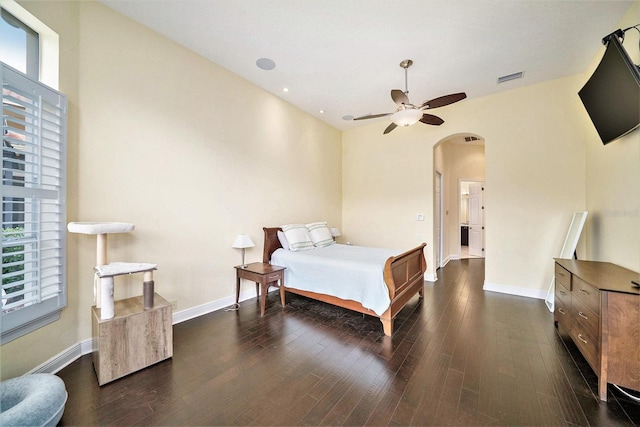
(513, 76)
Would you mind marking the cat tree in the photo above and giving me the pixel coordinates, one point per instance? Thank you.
(132, 333)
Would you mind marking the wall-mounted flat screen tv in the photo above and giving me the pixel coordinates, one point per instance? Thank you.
(612, 94)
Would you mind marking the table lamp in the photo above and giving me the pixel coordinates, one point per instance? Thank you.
(242, 242)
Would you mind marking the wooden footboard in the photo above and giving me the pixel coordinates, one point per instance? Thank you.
(403, 274)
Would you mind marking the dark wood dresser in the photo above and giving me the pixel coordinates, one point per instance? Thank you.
(598, 307)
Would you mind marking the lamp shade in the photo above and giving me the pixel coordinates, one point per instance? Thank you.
(406, 117)
(335, 232)
(243, 241)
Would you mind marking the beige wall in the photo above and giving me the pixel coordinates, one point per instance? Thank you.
(187, 151)
(535, 172)
(22, 355)
(613, 181)
(544, 161)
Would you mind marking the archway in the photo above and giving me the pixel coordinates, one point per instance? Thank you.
(457, 158)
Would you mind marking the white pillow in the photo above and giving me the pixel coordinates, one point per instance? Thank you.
(320, 234)
(283, 240)
(298, 237)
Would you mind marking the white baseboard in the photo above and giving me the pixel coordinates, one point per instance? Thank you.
(430, 277)
(193, 312)
(514, 290)
(65, 358)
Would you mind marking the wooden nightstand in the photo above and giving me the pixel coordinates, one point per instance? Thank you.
(264, 275)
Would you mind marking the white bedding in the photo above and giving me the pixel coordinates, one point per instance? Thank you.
(347, 272)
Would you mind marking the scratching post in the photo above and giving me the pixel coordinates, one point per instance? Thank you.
(147, 289)
(101, 259)
(106, 294)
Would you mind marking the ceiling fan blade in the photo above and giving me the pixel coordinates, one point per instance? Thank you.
(399, 97)
(430, 119)
(372, 116)
(443, 100)
(389, 128)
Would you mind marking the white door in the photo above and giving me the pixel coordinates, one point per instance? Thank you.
(476, 219)
(438, 219)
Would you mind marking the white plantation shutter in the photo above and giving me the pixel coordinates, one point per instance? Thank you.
(33, 204)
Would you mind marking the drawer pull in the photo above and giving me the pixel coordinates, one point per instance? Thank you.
(562, 292)
(584, 292)
(561, 311)
(276, 277)
(581, 314)
(582, 339)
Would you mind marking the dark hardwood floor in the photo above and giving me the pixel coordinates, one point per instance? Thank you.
(461, 356)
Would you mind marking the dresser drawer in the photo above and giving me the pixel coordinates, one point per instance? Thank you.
(585, 319)
(563, 277)
(562, 315)
(588, 345)
(564, 294)
(587, 294)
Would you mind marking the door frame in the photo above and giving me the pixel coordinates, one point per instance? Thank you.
(439, 208)
(484, 230)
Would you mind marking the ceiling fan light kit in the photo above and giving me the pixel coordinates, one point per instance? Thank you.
(407, 113)
(406, 117)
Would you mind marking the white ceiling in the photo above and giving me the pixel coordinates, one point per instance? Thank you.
(342, 56)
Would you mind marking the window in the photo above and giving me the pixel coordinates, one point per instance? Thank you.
(28, 45)
(33, 204)
(20, 45)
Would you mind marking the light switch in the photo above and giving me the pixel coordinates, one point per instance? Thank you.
(420, 217)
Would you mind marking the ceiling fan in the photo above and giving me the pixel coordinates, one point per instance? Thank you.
(407, 114)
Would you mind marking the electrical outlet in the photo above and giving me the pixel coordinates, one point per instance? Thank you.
(174, 305)
(420, 217)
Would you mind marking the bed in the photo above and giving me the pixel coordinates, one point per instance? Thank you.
(402, 277)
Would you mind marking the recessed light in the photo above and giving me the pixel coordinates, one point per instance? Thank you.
(285, 89)
(321, 111)
(265, 64)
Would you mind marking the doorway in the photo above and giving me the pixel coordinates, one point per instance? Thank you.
(456, 159)
(471, 219)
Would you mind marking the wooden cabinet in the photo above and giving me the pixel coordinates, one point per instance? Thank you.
(598, 307)
(133, 339)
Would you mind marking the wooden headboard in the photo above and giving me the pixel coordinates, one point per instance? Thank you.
(271, 242)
